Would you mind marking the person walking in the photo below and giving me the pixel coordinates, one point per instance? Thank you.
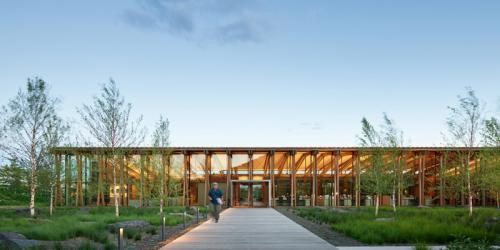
(215, 197)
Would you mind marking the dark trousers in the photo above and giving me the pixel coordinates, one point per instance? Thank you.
(215, 209)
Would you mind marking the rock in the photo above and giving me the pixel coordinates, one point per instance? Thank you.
(385, 219)
(85, 210)
(492, 222)
(10, 240)
(26, 211)
(137, 224)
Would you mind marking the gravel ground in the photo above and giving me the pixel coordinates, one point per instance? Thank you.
(171, 233)
(324, 231)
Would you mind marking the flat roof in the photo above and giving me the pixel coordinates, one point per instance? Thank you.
(150, 150)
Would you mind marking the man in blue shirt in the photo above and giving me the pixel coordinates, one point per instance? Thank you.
(215, 197)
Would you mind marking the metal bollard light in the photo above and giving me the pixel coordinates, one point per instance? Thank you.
(163, 229)
(197, 215)
(184, 219)
(120, 238)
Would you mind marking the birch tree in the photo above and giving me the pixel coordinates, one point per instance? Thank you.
(375, 178)
(161, 140)
(108, 121)
(55, 135)
(464, 121)
(392, 138)
(25, 130)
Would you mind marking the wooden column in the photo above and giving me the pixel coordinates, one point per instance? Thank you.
(187, 173)
(166, 173)
(127, 180)
(337, 178)
(293, 195)
(420, 180)
(58, 189)
(122, 179)
(441, 180)
(271, 172)
(229, 191)
(357, 172)
(141, 188)
(208, 167)
(99, 179)
(67, 179)
(250, 177)
(314, 194)
(79, 191)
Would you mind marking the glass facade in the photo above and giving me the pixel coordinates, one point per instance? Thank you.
(256, 177)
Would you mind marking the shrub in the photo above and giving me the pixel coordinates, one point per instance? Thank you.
(87, 245)
(466, 243)
(429, 226)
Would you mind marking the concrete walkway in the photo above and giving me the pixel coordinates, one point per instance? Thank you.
(250, 228)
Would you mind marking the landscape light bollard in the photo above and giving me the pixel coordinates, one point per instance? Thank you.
(120, 238)
(163, 229)
(197, 215)
(184, 219)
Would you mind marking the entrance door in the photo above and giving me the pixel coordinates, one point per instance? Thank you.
(250, 194)
(244, 191)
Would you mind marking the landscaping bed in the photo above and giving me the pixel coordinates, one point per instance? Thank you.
(91, 228)
(409, 225)
(322, 230)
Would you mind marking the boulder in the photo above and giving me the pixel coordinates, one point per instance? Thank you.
(385, 219)
(136, 224)
(10, 240)
(492, 222)
(26, 211)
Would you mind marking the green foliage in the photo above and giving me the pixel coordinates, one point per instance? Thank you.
(466, 243)
(410, 225)
(69, 223)
(87, 245)
(422, 246)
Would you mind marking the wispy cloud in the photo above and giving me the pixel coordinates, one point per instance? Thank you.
(226, 21)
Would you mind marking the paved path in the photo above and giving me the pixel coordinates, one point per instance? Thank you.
(250, 228)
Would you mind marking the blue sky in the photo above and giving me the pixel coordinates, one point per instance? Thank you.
(260, 73)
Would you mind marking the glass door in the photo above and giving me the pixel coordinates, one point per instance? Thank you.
(243, 200)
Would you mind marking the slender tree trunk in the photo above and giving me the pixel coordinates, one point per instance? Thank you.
(394, 199)
(51, 205)
(32, 185)
(376, 205)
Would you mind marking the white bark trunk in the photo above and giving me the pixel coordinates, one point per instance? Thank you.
(376, 205)
(32, 199)
(162, 194)
(394, 200)
(51, 206)
(32, 190)
(469, 188)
